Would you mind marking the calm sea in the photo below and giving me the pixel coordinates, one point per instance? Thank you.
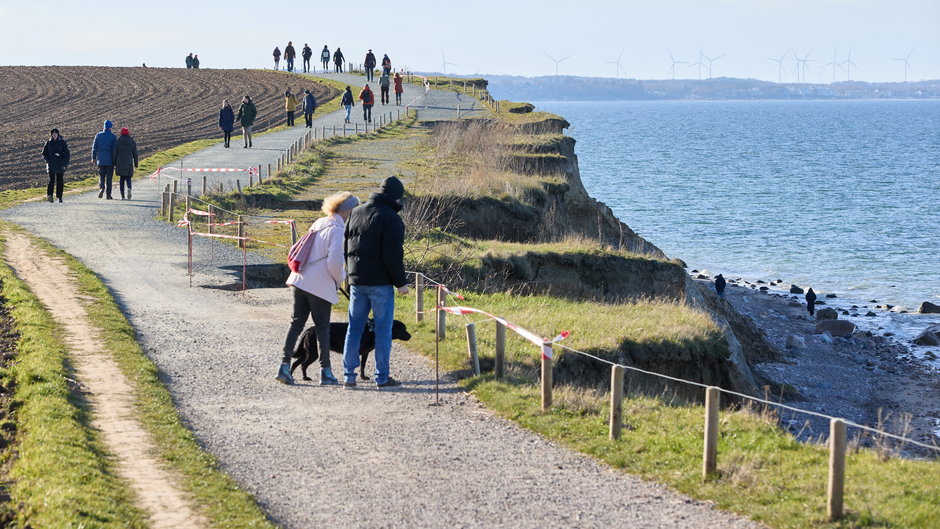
(843, 196)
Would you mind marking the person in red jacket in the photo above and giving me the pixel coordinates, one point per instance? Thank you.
(368, 99)
(398, 88)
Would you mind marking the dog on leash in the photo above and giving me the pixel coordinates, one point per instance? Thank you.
(308, 350)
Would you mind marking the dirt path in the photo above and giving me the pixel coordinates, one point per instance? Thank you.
(105, 387)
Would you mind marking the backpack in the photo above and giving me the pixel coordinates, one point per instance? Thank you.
(300, 251)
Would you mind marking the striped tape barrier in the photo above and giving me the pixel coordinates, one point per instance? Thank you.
(545, 344)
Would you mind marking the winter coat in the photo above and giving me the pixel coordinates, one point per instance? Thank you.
(386, 63)
(290, 103)
(195, 62)
(310, 104)
(370, 60)
(367, 97)
(189, 60)
(56, 154)
(325, 55)
(384, 81)
(277, 53)
(227, 119)
(102, 147)
(289, 52)
(348, 99)
(306, 53)
(374, 247)
(398, 84)
(338, 57)
(246, 114)
(323, 272)
(125, 156)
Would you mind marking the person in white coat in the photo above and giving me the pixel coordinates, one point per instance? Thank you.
(316, 282)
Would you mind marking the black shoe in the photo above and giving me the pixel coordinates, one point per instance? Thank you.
(60, 200)
(391, 382)
(110, 197)
(100, 193)
(349, 385)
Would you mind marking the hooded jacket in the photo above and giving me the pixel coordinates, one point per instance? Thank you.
(306, 53)
(325, 54)
(367, 97)
(227, 119)
(338, 57)
(125, 155)
(289, 52)
(310, 103)
(398, 84)
(374, 244)
(370, 60)
(56, 154)
(102, 147)
(290, 102)
(247, 113)
(323, 272)
(348, 99)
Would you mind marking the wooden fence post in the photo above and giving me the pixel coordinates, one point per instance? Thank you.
(241, 232)
(205, 185)
(260, 181)
(441, 315)
(238, 184)
(546, 381)
(616, 401)
(836, 468)
(209, 228)
(419, 298)
(172, 206)
(500, 350)
(710, 458)
(472, 348)
(293, 233)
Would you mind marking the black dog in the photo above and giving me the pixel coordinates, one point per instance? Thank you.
(308, 351)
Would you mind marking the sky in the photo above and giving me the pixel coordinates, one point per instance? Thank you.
(494, 37)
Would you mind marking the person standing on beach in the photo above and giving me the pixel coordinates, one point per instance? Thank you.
(125, 160)
(289, 54)
(810, 301)
(338, 61)
(290, 105)
(368, 99)
(374, 250)
(315, 284)
(369, 65)
(310, 105)
(189, 60)
(720, 284)
(306, 53)
(56, 154)
(101, 155)
(398, 88)
(325, 58)
(246, 117)
(277, 57)
(348, 102)
(227, 122)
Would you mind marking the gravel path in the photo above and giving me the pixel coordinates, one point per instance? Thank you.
(315, 455)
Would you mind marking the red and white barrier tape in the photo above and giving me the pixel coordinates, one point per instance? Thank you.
(546, 345)
(250, 170)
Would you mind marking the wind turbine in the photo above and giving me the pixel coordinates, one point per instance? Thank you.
(444, 63)
(802, 62)
(617, 62)
(834, 64)
(699, 63)
(780, 64)
(848, 64)
(710, 61)
(557, 62)
(907, 64)
(672, 68)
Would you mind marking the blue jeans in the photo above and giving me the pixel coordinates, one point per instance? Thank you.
(348, 110)
(380, 299)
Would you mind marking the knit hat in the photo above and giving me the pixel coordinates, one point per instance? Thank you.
(392, 188)
(125, 132)
(108, 124)
(54, 131)
(348, 204)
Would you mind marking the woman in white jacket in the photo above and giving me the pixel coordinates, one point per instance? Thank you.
(316, 283)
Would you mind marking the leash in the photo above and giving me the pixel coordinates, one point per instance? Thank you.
(343, 291)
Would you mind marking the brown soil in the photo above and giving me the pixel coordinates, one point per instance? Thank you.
(162, 107)
(106, 389)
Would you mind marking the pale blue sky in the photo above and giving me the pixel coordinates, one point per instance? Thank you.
(487, 36)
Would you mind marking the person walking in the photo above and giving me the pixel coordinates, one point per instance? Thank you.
(374, 250)
(56, 154)
(398, 88)
(306, 53)
(384, 83)
(246, 117)
(125, 160)
(316, 282)
(720, 285)
(290, 105)
(227, 122)
(338, 61)
(277, 57)
(325, 58)
(196, 62)
(386, 64)
(101, 155)
(289, 54)
(189, 60)
(368, 99)
(310, 105)
(369, 66)
(348, 102)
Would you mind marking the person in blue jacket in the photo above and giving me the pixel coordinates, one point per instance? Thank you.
(309, 104)
(101, 151)
(227, 122)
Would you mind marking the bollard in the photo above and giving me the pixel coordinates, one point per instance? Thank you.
(500, 349)
(836, 468)
(441, 315)
(546, 380)
(616, 401)
(205, 184)
(419, 298)
(472, 348)
(710, 458)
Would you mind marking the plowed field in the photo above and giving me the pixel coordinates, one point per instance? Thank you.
(162, 107)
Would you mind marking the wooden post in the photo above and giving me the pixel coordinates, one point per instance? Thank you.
(172, 214)
(344, 129)
(293, 233)
(210, 228)
(458, 111)
(259, 172)
(441, 315)
(357, 128)
(616, 401)
(251, 180)
(241, 232)
(500, 350)
(238, 184)
(334, 130)
(419, 298)
(836, 468)
(260, 181)
(472, 348)
(166, 201)
(710, 458)
(176, 186)
(189, 190)
(546, 382)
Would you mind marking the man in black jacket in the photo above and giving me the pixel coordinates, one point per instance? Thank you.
(375, 236)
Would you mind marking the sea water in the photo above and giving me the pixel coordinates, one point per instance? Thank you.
(843, 196)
